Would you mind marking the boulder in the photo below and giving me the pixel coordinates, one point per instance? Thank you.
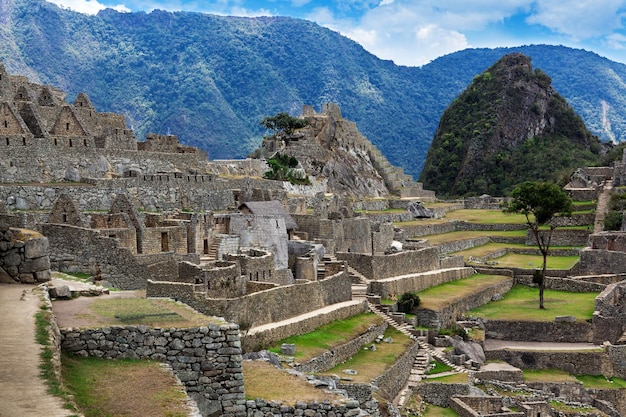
(418, 211)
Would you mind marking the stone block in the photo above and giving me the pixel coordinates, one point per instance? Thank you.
(565, 319)
(36, 248)
(288, 349)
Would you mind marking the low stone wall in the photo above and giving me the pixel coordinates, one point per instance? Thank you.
(23, 256)
(539, 331)
(413, 231)
(609, 317)
(451, 262)
(207, 360)
(562, 284)
(460, 245)
(324, 409)
(416, 282)
(448, 315)
(261, 338)
(393, 380)
(598, 261)
(574, 220)
(342, 353)
(384, 266)
(439, 394)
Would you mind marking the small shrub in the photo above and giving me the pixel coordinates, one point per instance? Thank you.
(408, 302)
(613, 220)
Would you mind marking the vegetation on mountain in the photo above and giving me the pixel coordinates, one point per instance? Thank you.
(540, 202)
(210, 79)
(285, 168)
(283, 123)
(507, 127)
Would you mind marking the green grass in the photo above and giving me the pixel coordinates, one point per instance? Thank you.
(439, 368)
(522, 304)
(459, 378)
(600, 382)
(435, 411)
(310, 345)
(46, 366)
(517, 260)
(441, 295)
(547, 375)
(486, 216)
(371, 364)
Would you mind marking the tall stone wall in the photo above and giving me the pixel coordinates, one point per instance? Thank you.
(391, 382)
(207, 360)
(563, 237)
(379, 267)
(609, 317)
(23, 256)
(599, 261)
(76, 249)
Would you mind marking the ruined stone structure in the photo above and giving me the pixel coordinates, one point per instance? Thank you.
(23, 256)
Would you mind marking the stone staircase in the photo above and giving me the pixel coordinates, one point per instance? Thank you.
(602, 207)
(395, 179)
(213, 249)
(424, 357)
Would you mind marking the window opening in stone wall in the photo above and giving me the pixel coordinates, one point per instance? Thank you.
(6, 123)
(277, 223)
(55, 141)
(67, 126)
(70, 143)
(85, 142)
(205, 250)
(7, 141)
(64, 216)
(24, 141)
(165, 246)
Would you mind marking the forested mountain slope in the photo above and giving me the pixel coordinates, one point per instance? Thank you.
(210, 79)
(508, 126)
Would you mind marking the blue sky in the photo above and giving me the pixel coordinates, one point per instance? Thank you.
(414, 32)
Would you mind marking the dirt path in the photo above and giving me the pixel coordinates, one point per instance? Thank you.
(22, 391)
(493, 344)
(602, 207)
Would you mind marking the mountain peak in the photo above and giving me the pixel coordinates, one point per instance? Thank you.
(508, 126)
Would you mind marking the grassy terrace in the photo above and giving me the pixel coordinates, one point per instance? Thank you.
(522, 304)
(437, 297)
(516, 260)
(371, 364)
(310, 345)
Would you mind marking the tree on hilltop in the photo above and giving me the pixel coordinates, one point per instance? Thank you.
(283, 122)
(540, 202)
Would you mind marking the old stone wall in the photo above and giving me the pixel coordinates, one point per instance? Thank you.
(262, 231)
(379, 267)
(573, 362)
(609, 317)
(439, 394)
(392, 381)
(262, 338)
(417, 282)
(447, 316)
(563, 237)
(318, 409)
(599, 261)
(275, 304)
(23, 256)
(342, 353)
(460, 245)
(76, 249)
(207, 360)
(551, 331)
(256, 265)
(563, 284)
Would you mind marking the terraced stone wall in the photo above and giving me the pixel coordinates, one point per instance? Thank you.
(551, 331)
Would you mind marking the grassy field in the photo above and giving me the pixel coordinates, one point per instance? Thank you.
(449, 379)
(441, 295)
(371, 364)
(600, 382)
(310, 345)
(104, 388)
(547, 375)
(516, 260)
(522, 304)
(434, 411)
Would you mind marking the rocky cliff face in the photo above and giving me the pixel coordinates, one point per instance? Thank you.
(508, 126)
(331, 148)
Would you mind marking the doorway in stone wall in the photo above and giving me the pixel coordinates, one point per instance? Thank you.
(165, 243)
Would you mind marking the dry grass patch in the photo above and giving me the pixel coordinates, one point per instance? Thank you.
(264, 380)
(148, 312)
(104, 388)
(437, 297)
(517, 260)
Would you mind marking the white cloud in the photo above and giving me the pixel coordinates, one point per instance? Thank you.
(87, 6)
(616, 41)
(581, 19)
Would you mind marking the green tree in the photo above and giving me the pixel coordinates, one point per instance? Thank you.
(540, 202)
(283, 122)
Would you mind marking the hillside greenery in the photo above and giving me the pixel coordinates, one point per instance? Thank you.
(507, 127)
(210, 79)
